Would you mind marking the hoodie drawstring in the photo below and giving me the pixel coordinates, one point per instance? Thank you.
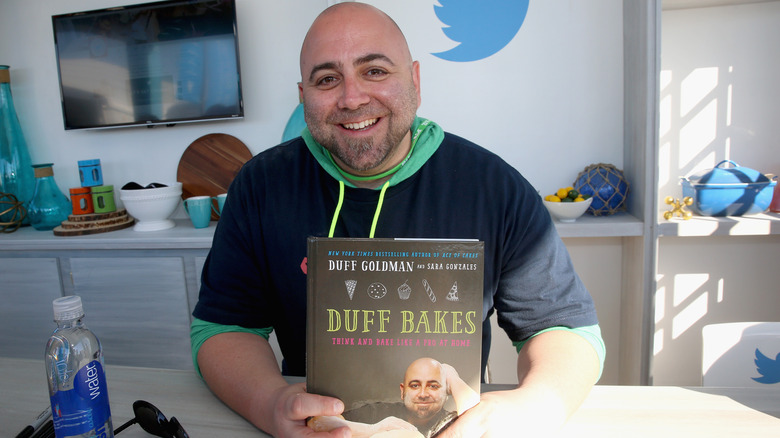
(376, 213)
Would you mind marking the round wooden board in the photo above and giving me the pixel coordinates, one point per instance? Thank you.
(97, 228)
(209, 164)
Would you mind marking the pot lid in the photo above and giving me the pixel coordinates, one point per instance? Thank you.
(728, 175)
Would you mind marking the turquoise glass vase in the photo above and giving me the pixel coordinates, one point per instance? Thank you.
(49, 206)
(15, 165)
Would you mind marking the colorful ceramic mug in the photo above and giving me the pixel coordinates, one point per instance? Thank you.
(199, 209)
(220, 202)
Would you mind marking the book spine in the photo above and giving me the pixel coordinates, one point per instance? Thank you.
(311, 306)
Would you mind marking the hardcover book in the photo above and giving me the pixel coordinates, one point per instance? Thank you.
(394, 328)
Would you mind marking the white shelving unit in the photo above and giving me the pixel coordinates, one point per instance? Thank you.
(617, 225)
(764, 224)
(715, 100)
(689, 4)
(643, 226)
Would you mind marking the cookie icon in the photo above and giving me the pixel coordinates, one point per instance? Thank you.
(376, 290)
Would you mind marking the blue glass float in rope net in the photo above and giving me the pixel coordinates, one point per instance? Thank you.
(607, 185)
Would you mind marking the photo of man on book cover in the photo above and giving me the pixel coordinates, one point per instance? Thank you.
(427, 384)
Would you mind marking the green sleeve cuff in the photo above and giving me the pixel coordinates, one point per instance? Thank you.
(591, 333)
(201, 330)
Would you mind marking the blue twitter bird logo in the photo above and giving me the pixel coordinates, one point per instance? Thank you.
(481, 27)
(768, 368)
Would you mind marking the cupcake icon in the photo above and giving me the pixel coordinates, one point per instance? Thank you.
(404, 291)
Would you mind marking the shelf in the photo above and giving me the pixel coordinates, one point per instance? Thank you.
(689, 4)
(182, 236)
(763, 224)
(616, 225)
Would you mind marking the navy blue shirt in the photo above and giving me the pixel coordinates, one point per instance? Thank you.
(255, 277)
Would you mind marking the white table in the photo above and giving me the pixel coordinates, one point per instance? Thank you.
(609, 411)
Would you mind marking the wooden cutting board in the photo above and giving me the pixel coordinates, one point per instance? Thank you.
(209, 164)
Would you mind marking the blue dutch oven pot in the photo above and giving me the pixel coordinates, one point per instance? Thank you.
(729, 191)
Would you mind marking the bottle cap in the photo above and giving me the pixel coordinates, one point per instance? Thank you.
(67, 308)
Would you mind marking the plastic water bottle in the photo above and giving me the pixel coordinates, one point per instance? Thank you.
(77, 381)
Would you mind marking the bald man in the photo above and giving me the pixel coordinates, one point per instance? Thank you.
(367, 165)
(424, 390)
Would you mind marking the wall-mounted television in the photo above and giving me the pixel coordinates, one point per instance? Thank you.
(149, 64)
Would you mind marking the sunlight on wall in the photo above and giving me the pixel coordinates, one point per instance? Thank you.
(688, 304)
(664, 126)
(660, 312)
(660, 302)
(697, 135)
(689, 315)
(686, 285)
(699, 108)
(695, 108)
(658, 341)
(695, 88)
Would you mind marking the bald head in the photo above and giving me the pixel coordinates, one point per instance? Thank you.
(344, 24)
(424, 365)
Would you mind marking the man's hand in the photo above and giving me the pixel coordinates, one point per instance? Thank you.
(556, 370)
(240, 368)
(293, 405)
(498, 414)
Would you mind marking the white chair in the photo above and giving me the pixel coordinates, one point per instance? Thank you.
(741, 354)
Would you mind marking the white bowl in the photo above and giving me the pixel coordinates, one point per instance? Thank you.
(152, 207)
(173, 188)
(567, 211)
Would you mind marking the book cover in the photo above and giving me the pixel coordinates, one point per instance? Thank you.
(389, 320)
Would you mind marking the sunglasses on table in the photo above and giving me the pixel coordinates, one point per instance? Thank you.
(154, 422)
(146, 415)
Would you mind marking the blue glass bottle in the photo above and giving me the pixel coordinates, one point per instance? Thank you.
(17, 175)
(49, 206)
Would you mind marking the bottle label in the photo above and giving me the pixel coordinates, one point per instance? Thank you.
(84, 408)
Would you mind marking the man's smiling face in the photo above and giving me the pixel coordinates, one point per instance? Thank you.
(360, 88)
(424, 390)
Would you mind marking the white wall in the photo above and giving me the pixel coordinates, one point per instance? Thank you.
(719, 100)
(550, 102)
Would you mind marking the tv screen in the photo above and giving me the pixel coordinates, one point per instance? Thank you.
(149, 64)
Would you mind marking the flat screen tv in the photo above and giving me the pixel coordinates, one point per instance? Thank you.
(149, 64)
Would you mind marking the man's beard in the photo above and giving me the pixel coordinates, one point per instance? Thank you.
(425, 412)
(355, 153)
(366, 154)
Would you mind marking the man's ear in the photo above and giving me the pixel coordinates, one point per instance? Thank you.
(300, 92)
(402, 391)
(416, 80)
